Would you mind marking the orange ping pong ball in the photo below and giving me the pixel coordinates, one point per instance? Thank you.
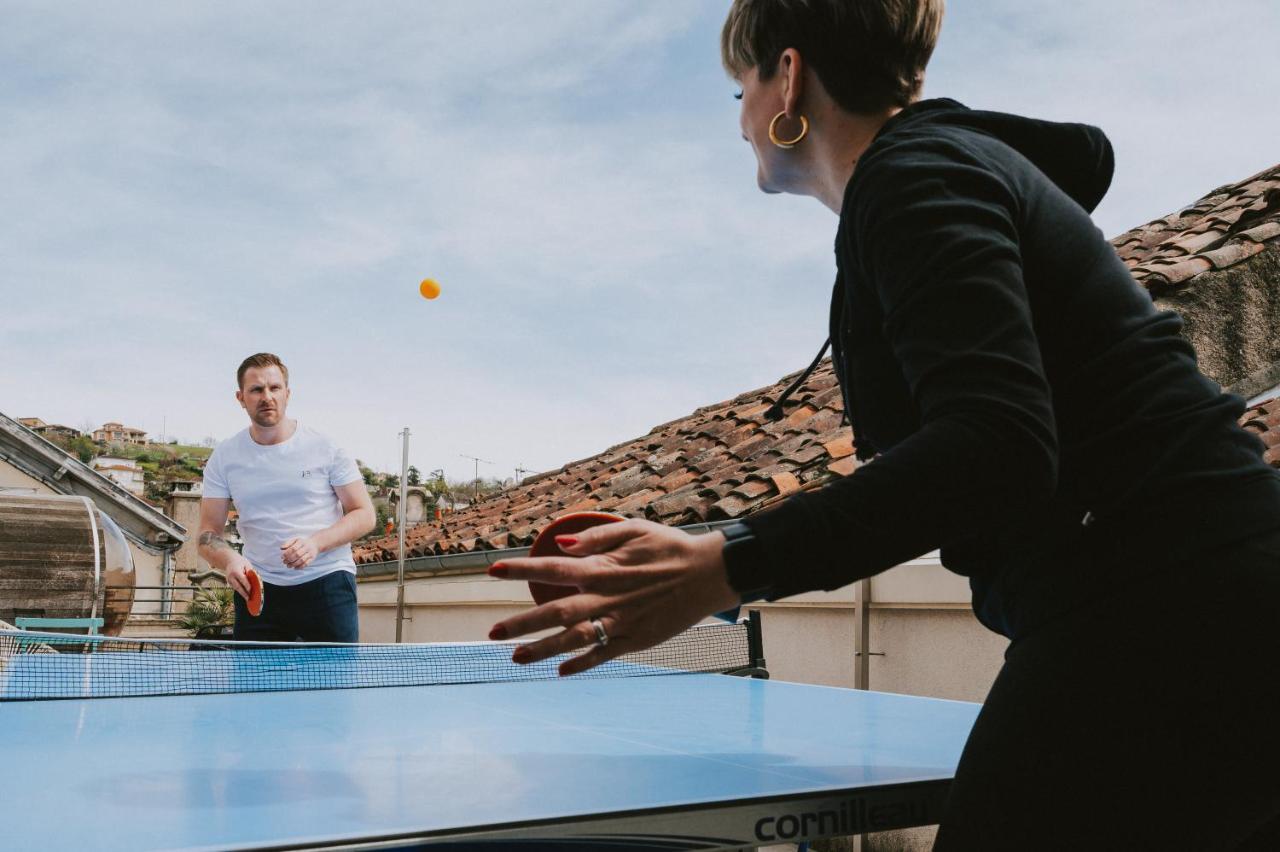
(429, 288)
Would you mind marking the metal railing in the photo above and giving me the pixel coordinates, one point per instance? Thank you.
(165, 602)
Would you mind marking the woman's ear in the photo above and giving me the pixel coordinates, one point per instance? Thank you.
(791, 72)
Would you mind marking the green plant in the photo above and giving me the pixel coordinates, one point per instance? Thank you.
(210, 610)
(381, 514)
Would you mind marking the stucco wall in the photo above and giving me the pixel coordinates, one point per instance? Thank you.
(13, 478)
(185, 509)
(1232, 318)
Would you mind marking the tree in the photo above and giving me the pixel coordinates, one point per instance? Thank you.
(370, 478)
(415, 476)
(475, 488)
(390, 480)
(84, 448)
(380, 525)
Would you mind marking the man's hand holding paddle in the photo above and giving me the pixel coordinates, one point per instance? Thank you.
(236, 572)
(629, 584)
(243, 578)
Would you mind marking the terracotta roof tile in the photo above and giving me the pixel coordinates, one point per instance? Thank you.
(1173, 273)
(839, 447)
(751, 447)
(636, 503)
(785, 483)
(754, 488)
(800, 415)
(686, 507)
(744, 432)
(1263, 232)
(1226, 227)
(587, 503)
(677, 479)
(716, 491)
(1198, 241)
(1232, 254)
(708, 459)
(843, 467)
(730, 507)
(777, 468)
(753, 412)
(828, 399)
(808, 452)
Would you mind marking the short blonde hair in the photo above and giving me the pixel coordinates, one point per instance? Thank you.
(262, 359)
(869, 54)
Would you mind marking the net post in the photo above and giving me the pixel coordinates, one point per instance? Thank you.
(755, 641)
(400, 513)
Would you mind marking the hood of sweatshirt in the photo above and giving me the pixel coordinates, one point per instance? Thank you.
(1076, 157)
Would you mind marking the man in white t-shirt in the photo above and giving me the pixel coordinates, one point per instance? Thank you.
(301, 502)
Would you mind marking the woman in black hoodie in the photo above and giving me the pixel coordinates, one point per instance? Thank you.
(1031, 414)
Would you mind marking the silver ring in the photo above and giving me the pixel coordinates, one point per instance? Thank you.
(602, 638)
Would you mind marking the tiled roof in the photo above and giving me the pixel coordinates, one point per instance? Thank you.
(723, 461)
(1227, 226)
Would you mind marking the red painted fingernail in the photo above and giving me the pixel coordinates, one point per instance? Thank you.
(498, 633)
(498, 571)
(566, 540)
(521, 655)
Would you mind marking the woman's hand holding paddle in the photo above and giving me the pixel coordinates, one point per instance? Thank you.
(635, 583)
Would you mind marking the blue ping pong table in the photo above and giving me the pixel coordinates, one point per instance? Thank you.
(666, 761)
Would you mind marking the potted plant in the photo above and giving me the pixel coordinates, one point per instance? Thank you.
(211, 613)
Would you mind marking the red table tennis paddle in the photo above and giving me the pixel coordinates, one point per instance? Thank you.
(257, 595)
(545, 545)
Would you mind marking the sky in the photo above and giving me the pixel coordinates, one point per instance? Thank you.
(184, 184)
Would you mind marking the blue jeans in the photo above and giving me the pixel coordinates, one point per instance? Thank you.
(319, 610)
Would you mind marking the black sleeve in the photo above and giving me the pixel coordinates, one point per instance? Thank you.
(934, 231)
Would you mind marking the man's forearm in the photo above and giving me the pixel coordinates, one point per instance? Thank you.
(215, 550)
(353, 524)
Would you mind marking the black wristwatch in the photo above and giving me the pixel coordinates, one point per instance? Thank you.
(744, 562)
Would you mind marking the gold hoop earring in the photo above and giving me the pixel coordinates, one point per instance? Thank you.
(787, 143)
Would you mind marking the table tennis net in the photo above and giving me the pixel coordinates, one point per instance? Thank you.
(35, 666)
